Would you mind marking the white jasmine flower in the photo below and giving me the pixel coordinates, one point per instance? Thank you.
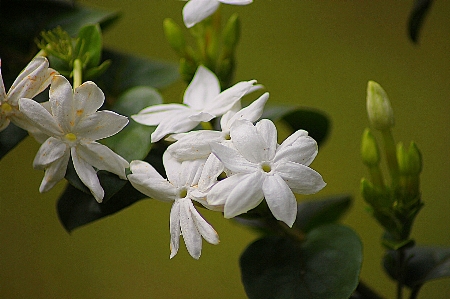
(74, 124)
(31, 81)
(262, 169)
(202, 101)
(197, 10)
(185, 220)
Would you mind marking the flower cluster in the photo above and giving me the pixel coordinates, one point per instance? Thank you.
(231, 170)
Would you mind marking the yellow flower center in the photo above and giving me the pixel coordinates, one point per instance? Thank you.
(266, 167)
(70, 137)
(6, 108)
(183, 193)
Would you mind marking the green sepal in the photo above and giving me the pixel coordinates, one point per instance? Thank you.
(422, 264)
(325, 266)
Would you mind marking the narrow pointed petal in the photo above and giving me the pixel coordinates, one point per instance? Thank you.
(232, 159)
(148, 181)
(248, 142)
(88, 176)
(211, 171)
(62, 104)
(280, 199)
(228, 98)
(50, 151)
(246, 195)
(175, 229)
(218, 194)
(204, 87)
(179, 123)
(251, 113)
(194, 145)
(266, 128)
(103, 158)
(299, 148)
(100, 125)
(190, 172)
(191, 235)
(2, 86)
(153, 115)
(203, 227)
(300, 178)
(40, 117)
(197, 10)
(201, 116)
(237, 2)
(54, 173)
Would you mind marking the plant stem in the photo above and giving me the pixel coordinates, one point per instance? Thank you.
(415, 292)
(391, 156)
(77, 73)
(400, 272)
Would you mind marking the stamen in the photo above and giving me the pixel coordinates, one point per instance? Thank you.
(70, 137)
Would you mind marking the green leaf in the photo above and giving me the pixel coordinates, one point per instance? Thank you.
(133, 142)
(422, 264)
(416, 18)
(77, 17)
(128, 71)
(76, 208)
(308, 119)
(311, 214)
(325, 266)
(89, 45)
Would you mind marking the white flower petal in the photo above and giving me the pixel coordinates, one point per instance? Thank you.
(248, 142)
(191, 235)
(299, 148)
(197, 10)
(153, 115)
(100, 125)
(178, 123)
(211, 170)
(55, 172)
(175, 229)
(237, 2)
(31, 81)
(88, 98)
(228, 98)
(50, 151)
(103, 158)
(267, 130)
(246, 195)
(149, 182)
(203, 227)
(232, 159)
(251, 113)
(87, 175)
(300, 178)
(63, 106)
(280, 199)
(205, 86)
(218, 194)
(40, 117)
(194, 145)
(201, 116)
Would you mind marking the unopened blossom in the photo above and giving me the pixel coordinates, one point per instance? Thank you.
(263, 169)
(202, 102)
(197, 10)
(181, 182)
(31, 81)
(73, 125)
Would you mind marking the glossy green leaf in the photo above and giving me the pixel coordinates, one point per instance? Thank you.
(133, 142)
(89, 45)
(325, 266)
(315, 122)
(422, 264)
(311, 214)
(78, 16)
(128, 71)
(76, 208)
(416, 18)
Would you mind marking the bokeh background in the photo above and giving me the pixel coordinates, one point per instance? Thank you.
(318, 54)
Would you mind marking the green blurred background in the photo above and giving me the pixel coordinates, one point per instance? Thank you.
(310, 53)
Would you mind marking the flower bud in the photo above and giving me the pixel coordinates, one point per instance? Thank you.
(369, 149)
(174, 36)
(379, 108)
(409, 161)
(375, 196)
(231, 32)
